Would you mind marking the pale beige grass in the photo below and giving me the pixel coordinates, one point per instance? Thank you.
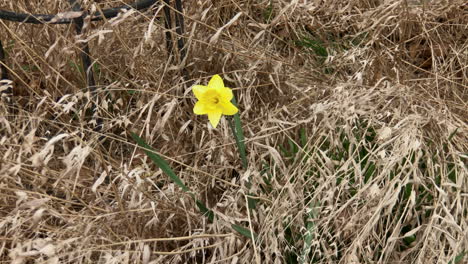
(69, 194)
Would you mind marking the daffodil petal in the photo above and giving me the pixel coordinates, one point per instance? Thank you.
(216, 82)
(199, 108)
(214, 118)
(226, 94)
(198, 91)
(229, 108)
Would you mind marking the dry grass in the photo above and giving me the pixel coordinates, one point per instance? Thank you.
(354, 112)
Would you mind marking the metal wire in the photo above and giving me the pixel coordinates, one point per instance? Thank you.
(99, 15)
(78, 21)
(85, 57)
(3, 68)
(179, 18)
(55, 19)
(168, 24)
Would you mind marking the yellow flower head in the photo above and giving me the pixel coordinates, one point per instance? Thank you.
(214, 100)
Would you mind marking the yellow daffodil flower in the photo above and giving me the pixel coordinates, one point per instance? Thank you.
(214, 100)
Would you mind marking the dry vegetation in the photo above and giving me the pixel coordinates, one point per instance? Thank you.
(354, 114)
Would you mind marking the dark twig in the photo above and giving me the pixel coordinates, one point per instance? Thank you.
(179, 27)
(6, 88)
(86, 58)
(168, 25)
(3, 68)
(179, 18)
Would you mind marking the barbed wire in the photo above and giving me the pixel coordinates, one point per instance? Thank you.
(77, 18)
(64, 18)
(57, 19)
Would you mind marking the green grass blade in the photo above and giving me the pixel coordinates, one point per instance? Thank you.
(244, 231)
(240, 142)
(161, 163)
(452, 134)
(239, 136)
(205, 211)
(303, 136)
(316, 45)
(309, 234)
(458, 259)
(252, 203)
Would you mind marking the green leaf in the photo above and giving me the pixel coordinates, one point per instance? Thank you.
(284, 151)
(303, 136)
(458, 258)
(409, 240)
(452, 134)
(161, 163)
(309, 234)
(240, 142)
(316, 45)
(369, 172)
(239, 135)
(244, 231)
(293, 147)
(268, 13)
(252, 203)
(205, 211)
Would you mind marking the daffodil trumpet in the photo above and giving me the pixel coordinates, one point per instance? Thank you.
(214, 100)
